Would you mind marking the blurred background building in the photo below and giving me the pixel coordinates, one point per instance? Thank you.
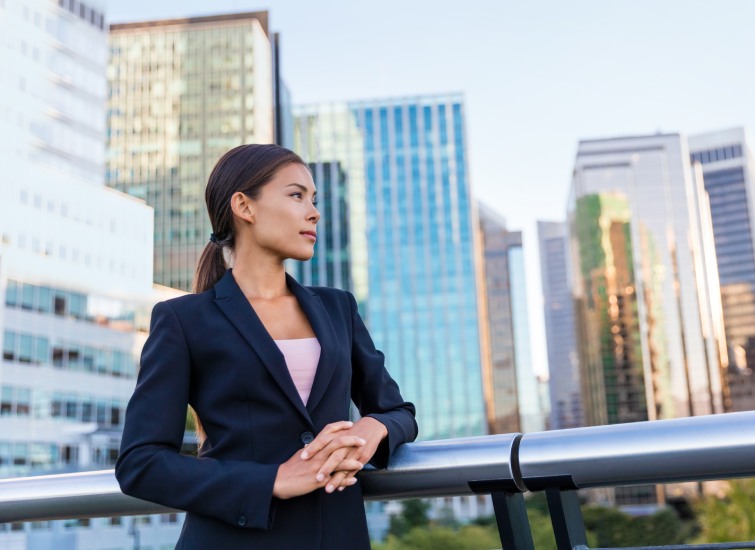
(651, 340)
(650, 330)
(182, 93)
(514, 399)
(423, 262)
(75, 266)
(328, 138)
(560, 326)
(726, 163)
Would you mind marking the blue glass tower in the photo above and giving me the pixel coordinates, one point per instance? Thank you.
(423, 264)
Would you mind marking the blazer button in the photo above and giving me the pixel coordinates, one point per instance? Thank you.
(242, 521)
(307, 438)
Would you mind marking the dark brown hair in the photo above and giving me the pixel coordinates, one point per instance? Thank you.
(246, 168)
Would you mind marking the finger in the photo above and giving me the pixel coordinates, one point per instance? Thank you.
(335, 481)
(341, 442)
(351, 466)
(335, 426)
(330, 465)
(348, 482)
(324, 437)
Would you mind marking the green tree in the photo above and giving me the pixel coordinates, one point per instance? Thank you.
(609, 527)
(435, 537)
(413, 514)
(731, 518)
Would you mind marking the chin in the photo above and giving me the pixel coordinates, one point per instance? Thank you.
(303, 256)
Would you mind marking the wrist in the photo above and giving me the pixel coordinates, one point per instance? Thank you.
(383, 427)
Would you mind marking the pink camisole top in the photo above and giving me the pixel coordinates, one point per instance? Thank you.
(302, 356)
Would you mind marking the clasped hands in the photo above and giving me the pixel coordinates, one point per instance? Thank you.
(332, 460)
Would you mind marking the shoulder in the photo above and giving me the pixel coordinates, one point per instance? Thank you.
(188, 304)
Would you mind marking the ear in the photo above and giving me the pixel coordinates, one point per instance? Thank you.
(243, 207)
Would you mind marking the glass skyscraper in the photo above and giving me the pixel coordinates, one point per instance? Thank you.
(328, 138)
(648, 308)
(560, 326)
(413, 246)
(514, 403)
(727, 167)
(182, 93)
(424, 272)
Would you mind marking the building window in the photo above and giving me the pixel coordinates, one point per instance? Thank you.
(6, 401)
(9, 345)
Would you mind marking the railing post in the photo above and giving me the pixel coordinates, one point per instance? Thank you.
(511, 517)
(566, 517)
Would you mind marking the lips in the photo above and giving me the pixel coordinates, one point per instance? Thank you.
(311, 234)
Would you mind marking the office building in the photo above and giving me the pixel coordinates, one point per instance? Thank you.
(328, 138)
(727, 167)
(560, 326)
(411, 244)
(648, 308)
(75, 267)
(424, 272)
(182, 92)
(514, 404)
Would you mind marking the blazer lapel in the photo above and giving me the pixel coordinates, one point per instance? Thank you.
(326, 335)
(234, 305)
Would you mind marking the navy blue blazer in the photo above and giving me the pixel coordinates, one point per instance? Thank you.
(211, 351)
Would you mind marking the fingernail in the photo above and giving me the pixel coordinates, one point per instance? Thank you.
(349, 422)
(340, 489)
(320, 477)
(305, 454)
(352, 481)
(362, 441)
(329, 488)
(360, 465)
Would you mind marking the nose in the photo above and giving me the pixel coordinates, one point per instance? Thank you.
(314, 215)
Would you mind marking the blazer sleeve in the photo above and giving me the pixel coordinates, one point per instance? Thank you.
(375, 393)
(150, 466)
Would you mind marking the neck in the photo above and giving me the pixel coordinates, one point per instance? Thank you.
(259, 275)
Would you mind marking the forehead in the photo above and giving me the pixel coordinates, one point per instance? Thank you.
(294, 173)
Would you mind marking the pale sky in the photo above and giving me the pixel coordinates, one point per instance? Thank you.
(537, 76)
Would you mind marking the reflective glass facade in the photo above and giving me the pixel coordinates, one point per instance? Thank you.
(650, 329)
(514, 403)
(727, 166)
(423, 263)
(497, 243)
(411, 244)
(560, 327)
(181, 94)
(612, 368)
(328, 138)
(531, 414)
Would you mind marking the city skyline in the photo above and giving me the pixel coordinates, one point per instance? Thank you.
(537, 78)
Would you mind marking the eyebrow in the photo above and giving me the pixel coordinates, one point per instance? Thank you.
(302, 187)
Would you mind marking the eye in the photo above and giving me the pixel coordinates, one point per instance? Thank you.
(314, 201)
(296, 194)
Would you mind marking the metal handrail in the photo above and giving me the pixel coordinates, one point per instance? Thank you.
(689, 449)
(700, 448)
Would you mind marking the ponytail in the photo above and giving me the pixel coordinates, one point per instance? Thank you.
(210, 268)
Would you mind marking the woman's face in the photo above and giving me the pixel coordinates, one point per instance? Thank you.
(285, 216)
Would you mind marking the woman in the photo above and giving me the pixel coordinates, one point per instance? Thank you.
(270, 368)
